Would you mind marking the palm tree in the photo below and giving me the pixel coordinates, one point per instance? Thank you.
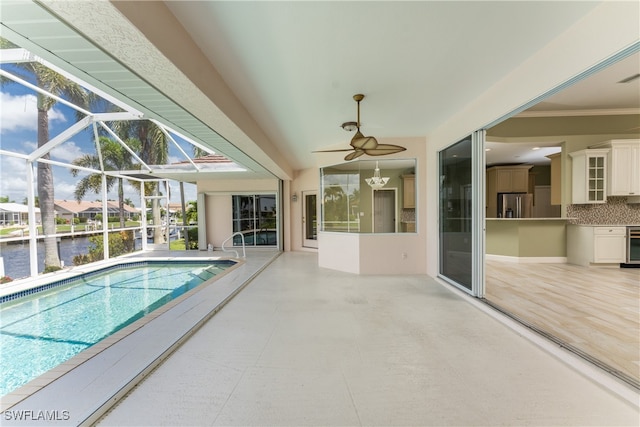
(58, 85)
(154, 150)
(114, 158)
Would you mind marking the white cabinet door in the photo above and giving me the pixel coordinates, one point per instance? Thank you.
(589, 171)
(609, 244)
(624, 168)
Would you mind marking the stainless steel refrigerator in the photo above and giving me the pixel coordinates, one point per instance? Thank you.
(515, 205)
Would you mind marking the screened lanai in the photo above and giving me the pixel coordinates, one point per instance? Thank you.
(65, 142)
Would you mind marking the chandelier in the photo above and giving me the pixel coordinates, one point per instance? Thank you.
(376, 182)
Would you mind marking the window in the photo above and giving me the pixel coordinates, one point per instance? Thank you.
(350, 205)
(255, 216)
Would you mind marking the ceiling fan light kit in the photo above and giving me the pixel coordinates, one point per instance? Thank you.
(361, 144)
(349, 126)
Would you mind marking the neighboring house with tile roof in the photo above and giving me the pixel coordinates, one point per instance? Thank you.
(69, 209)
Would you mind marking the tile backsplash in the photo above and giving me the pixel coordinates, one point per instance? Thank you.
(615, 212)
(408, 215)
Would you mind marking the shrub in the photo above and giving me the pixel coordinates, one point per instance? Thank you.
(192, 233)
(119, 243)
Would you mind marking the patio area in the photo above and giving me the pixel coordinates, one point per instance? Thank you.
(302, 345)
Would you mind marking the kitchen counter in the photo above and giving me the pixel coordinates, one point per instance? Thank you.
(527, 239)
(528, 219)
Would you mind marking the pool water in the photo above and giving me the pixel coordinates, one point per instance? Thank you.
(42, 330)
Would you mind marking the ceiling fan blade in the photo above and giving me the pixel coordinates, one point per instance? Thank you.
(384, 149)
(333, 151)
(357, 153)
(363, 142)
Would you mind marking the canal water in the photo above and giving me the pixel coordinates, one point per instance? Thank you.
(15, 256)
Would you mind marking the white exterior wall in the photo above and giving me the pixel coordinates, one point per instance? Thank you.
(218, 206)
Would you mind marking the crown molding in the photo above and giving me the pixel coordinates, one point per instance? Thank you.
(576, 113)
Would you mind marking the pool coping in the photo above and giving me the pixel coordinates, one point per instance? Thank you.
(102, 374)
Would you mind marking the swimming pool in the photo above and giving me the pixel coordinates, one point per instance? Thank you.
(43, 327)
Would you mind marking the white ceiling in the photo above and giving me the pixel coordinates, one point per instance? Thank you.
(294, 66)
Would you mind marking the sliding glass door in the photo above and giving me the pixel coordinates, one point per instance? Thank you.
(461, 214)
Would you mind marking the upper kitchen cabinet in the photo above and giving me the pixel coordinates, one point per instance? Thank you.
(505, 179)
(509, 179)
(409, 193)
(589, 176)
(623, 166)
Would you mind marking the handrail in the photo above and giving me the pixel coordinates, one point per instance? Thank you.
(244, 254)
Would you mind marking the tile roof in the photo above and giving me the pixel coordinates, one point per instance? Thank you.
(82, 206)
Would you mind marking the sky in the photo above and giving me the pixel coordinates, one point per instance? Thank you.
(18, 133)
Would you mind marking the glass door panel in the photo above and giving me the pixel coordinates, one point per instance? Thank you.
(309, 219)
(455, 166)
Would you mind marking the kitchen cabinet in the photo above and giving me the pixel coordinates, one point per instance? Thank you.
(556, 178)
(623, 167)
(589, 176)
(596, 244)
(505, 179)
(510, 179)
(409, 191)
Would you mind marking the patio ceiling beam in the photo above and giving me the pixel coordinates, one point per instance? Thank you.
(114, 117)
(101, 93)
(16, 56)
(168, 135)
(14, 154)
(186, 138)
(125, 146)
(60, 138)
(43, 92)
(67, 165)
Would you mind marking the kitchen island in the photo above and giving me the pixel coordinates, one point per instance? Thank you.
(526, 239)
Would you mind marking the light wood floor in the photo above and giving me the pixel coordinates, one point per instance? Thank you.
(594, 309)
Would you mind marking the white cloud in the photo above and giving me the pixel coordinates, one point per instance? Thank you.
(67, 151)
(13, 178)
(20, 112)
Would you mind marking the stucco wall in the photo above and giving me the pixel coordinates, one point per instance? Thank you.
(218, 207)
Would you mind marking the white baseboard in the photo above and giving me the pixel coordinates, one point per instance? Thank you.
(527, 260)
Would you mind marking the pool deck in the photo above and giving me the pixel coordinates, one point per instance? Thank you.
(100, 375)
(302, 345)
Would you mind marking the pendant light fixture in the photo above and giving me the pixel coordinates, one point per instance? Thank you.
(376, 182)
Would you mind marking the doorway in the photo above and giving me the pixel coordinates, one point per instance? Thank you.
(309, 219)
(384, 211)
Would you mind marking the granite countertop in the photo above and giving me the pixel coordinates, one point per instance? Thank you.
(607, 225)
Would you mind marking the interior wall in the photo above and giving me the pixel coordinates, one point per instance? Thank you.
(607, 30)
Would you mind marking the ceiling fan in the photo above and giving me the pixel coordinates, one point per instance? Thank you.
(361, 144)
